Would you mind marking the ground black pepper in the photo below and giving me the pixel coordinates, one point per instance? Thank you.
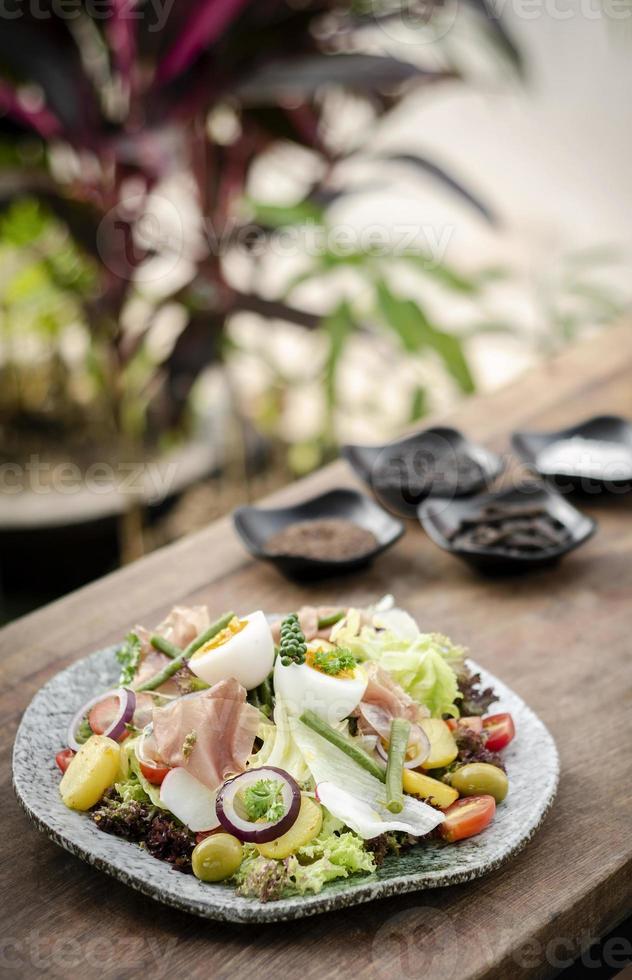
(327, 539)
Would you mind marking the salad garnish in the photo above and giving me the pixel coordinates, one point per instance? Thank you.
(280, 757)
(337, 662)
(262, 800)
(128, 655)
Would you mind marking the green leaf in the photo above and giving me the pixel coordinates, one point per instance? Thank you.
(417, 333)
(398, 315)
(338, 326)
(444, 274)
(418, 404)
(282, 216)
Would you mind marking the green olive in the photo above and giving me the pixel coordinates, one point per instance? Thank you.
(478, 779)
(216, 857)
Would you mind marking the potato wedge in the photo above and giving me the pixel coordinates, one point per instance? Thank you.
(94, 768)
(432, 790)
(443, 748)
(306, 826)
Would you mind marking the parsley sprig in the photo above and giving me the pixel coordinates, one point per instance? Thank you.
(128, 656)
(263, 801)
(334, 661)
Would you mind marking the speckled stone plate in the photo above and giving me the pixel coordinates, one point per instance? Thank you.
(532, 764)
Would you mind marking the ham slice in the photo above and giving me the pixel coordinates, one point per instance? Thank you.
(181, 626)
(219, 725)
(384, 700)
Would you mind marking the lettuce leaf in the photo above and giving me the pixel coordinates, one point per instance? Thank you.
(424, 664)
(130, 771)
(331, 855)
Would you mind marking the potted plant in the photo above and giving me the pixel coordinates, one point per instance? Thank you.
(129, 138)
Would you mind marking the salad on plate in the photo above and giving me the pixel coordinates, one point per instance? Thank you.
(279, 755)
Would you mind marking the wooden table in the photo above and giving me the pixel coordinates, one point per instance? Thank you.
(561, 638)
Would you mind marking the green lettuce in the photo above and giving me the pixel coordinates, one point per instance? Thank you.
(424, 664)
(131, 790)
(131, 773)
(333, 854)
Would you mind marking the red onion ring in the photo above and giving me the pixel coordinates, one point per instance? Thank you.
(421, 743)
(257, 832)
(127, 705)
(378, 719)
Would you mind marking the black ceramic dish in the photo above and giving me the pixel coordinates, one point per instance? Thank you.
(255, 525)
(609, 428)
(440, 518)
(401, 475)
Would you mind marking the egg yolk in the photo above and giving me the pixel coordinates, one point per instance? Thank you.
(310, 660)
(234, 627)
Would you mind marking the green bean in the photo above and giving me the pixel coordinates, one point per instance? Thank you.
(397, 749)
(169, 649)
(208, 634)
(331, 620)
(362, 758)
(172, 668)
(265, 696)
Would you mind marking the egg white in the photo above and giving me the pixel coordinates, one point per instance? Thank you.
(248, 655)
(303, 688)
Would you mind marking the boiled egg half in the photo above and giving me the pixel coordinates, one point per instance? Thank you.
(243, 650)
(305, 687)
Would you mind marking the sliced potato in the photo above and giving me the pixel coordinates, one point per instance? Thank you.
(306, 826)
(432, 790)
(94, 768)
(443, 748)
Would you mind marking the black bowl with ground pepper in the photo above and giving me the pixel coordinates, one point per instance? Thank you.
(437, 462)
(514, 530)
(337, 532)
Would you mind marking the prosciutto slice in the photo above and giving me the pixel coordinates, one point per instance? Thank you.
(384, 700)
(210, 734)
(181, 626)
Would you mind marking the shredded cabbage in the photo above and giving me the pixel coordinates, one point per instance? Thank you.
(424, 664)
(279, 748)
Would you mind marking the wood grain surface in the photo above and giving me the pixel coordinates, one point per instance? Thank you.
(561, 638)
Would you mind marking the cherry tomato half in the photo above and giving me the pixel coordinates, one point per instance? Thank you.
(104, 712)
(474, 722)
(63, 758)
(102, 715)
(153, 772)
(500, 731)
(467, 817)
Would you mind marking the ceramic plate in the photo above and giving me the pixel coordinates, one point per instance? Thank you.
(532, 765)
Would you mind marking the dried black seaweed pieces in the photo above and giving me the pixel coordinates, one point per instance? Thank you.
(510, 529)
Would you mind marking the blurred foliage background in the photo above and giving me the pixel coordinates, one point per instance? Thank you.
(182, 265)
